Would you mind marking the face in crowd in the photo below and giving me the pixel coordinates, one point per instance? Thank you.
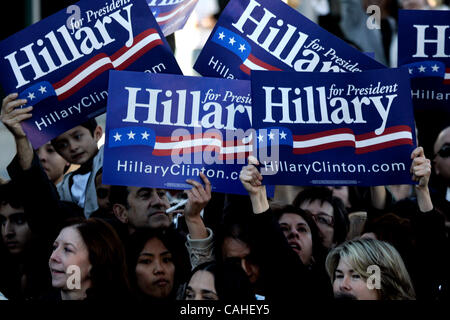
(52, 163)
(201, 286)
(78, 145)
(323, 214)
(69, 251)
(16, 234)
(298, 234)
(348, 283)
(155, 270)
(146, 207)
(441, 160)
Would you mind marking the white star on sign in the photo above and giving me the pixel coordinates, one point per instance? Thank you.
(283, 135)
(43, 89)
(260, 138)
(221, 36)
(422, 69)
(410, 71)
(145, 135)
(435, 68)
(31, 96)
(242, 48)
(131, 135)
(117, 136)
(232, 41)
(271, 135)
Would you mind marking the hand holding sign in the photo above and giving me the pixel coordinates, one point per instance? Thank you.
(420, 168)
(198, 198)
(251, 180)
(12, 116)
(421, 171)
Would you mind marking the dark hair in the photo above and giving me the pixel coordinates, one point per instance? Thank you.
(10, 194)
(319, 252)
(119, 195)
(323, 194)
(91, 124)
(172, 241)
(109, 272)
(230, 280)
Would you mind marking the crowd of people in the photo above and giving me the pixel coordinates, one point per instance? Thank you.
(67, 236)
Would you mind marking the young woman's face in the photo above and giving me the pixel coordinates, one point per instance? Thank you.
(201, 287)
(349, 282)
(70, 256)
(298, 235)
(155, 270)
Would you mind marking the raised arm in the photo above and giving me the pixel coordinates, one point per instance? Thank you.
(12, 117)
(421, 171)
(251, 180)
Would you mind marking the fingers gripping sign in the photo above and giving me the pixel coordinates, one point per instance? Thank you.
(12, 116)
(420, 167)
(250, 176)
(251, 179)
(198, 196)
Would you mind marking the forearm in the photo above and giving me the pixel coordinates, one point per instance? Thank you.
(378, 197)
(24, 152)
(259, 201)
(424, 199)
(196, 227)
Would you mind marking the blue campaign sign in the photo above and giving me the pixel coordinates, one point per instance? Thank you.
(164, 129)
(171, 15)
(424, 48)
(334, 129)
(270, 35)
(59, 64)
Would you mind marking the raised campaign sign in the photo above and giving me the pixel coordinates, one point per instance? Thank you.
(334, 129)
(171, 15)
(270, 35)
(164, 129)
(424, 48)
(59, 64)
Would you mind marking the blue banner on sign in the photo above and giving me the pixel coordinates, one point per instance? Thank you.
(59, 64)
(164, 129)
(270, 35)
(171, 15)
(334, 129)
(424, 48)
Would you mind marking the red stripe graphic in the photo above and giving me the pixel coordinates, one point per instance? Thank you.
(236, 154)
(363, 143)
(106, 66)
(447, 76)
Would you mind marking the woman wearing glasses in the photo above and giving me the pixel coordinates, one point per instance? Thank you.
(328, 213)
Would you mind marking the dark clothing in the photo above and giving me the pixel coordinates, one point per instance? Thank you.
(284, 277)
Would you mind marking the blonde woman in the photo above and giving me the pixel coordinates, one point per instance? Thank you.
(368, 269)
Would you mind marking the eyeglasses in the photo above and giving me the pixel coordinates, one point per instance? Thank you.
(444, 152)
(102, 193)
(324, 219)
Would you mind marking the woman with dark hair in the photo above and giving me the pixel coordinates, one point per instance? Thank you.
(88, 262)
(225, 281)
(159, 263)
(328, 211)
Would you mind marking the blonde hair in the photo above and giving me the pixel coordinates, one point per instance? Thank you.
(362, 253)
